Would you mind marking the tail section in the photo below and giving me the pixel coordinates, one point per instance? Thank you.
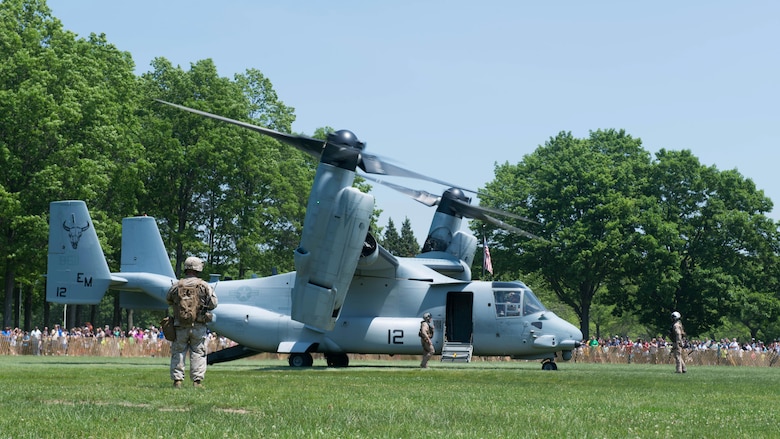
(143, 249)
(77, 269)
(145, 264)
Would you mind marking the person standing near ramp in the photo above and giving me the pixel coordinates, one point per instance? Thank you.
(426, 338)
(192, 298)
(678, 343)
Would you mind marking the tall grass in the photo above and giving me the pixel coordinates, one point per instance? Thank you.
(81, 397)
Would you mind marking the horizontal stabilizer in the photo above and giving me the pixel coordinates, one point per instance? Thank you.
(135, 300)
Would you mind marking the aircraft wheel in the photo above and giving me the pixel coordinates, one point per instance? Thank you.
(300, 360)
(549, 365)
(337, 360)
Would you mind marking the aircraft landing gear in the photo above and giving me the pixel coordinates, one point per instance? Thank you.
(337, 359)
(300, 360)
(549, 364)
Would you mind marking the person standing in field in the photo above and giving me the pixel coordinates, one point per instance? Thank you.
(192, 298)
(426, 338)
(678, 343)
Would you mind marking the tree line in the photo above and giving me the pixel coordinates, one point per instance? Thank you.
(640, 236)
(79, 124)
(625, 234)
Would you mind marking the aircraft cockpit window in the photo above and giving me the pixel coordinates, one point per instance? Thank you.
(508, 303)
(531, 304)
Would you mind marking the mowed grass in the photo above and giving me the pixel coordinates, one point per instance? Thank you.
(81, 397)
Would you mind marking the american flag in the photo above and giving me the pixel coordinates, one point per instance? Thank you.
(487, 263)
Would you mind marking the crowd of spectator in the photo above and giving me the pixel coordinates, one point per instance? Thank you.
(657, 351)
(89, 340)
(106, 341)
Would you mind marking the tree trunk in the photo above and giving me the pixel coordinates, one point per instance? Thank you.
(72, 319)
(46, 313)
(585, 322)
(117, 318)
(9, 295)
(28, 303)
(17, 299)
(129, 320)
(93, 315)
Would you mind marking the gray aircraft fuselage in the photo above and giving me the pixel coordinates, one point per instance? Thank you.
(381, 316)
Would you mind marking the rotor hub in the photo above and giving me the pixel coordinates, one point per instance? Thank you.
(343, 149)
(449, 206)
(345, 138)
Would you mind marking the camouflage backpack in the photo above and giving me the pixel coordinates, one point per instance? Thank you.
(189, 302)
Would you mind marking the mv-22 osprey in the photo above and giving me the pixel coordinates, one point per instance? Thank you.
(347, 295)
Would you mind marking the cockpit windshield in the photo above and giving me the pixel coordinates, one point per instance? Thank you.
(515, 303)
(531, 304)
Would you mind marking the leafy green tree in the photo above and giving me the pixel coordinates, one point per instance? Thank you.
(261, 195)
(190, 153)
(585, 195)
(233, 196)
(705, 242)
(757, 311)
(68, 106)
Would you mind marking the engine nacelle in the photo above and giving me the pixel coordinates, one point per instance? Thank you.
(337, 221)
(463, 247)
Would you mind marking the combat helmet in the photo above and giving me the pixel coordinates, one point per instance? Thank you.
(193, 263)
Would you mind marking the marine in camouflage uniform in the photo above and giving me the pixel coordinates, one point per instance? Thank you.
(426, 339)
(193, 336)
(678, 343)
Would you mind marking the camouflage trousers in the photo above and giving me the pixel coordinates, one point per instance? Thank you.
(192, 339)
(428, 351)
(679, 360)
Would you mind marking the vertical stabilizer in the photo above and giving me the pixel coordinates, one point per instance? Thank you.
(143, 249)
(77, 269)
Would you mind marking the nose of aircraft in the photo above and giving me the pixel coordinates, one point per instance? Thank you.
(577, 335)
(569, 336)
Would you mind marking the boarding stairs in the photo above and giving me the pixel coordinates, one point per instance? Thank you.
(456, 352)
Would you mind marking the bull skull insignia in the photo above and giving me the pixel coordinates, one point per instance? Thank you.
(74, 232)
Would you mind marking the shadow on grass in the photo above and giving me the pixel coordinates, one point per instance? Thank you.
(74, 362)
(405, 367)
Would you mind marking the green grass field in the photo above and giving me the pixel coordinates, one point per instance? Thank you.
(83, 397)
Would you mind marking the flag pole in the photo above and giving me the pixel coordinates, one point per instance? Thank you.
(483, 252)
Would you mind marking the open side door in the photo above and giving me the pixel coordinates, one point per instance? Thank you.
(458, 327)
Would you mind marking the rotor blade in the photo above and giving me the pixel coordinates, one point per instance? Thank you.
(422, 196)
(479, 213)
(369, 163)
(504, 213)
(505, 226)
(462, 207)
(372, 164)
(303, 143)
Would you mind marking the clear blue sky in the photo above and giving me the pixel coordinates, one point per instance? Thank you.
(449, 88)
